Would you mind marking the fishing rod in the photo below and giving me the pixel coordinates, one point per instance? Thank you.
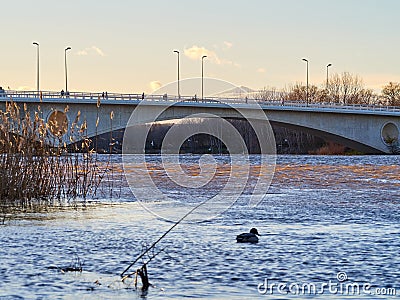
(160, 238)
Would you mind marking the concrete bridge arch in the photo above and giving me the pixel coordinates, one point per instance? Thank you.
(367, 129)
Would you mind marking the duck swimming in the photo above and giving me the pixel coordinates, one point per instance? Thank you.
(250, 237)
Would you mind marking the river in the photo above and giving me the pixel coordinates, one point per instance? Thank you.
(332, 222)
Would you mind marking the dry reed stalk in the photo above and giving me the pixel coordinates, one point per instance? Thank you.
(36, 170)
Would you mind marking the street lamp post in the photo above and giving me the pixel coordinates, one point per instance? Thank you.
(65, 64)
(327, 75)
(306, 60)
(202, 76)
(179, 92)
(37, 67)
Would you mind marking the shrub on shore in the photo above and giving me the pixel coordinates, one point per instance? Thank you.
(330, 149)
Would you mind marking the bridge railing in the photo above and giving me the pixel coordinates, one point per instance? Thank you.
(9, 94)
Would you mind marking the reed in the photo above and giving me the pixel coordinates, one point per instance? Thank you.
(37, 169)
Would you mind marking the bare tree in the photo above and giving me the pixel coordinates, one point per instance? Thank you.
(346, 89)
(334, 89)
(368, 97)
(391, 94)
(268, 94)
(298, 92)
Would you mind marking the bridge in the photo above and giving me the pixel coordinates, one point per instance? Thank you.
(369, 129)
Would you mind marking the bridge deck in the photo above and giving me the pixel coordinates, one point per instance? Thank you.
(151, 99)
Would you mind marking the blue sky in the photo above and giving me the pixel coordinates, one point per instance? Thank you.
(127, 45)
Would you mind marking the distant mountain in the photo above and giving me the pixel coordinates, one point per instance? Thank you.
(236, 92)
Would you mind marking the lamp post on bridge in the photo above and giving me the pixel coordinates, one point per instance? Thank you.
(37, 65)
(179, 92)
(306, 60)
(202, 76)
(327, 75)
(65, 64)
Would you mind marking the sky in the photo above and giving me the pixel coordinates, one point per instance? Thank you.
(127, 45)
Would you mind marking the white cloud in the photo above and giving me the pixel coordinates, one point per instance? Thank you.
(90, 50)
(98, 51)
(228, 45)
(225, 45)
(196, 53)
(81, 52)
(155, 85)
(261, 70)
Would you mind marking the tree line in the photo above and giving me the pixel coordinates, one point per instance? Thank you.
(345, 88)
